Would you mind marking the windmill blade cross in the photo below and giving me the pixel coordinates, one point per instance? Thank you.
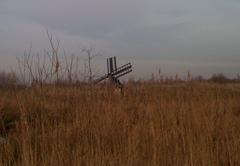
(114, 72)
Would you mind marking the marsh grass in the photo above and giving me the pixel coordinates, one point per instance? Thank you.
(152, 124)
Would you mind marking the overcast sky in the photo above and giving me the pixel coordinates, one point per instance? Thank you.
(201, 36)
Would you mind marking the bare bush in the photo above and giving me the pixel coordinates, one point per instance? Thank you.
(7, 79)
(55, 65)
(219, 78)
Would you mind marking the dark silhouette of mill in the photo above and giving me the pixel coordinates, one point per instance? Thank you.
(114, 72)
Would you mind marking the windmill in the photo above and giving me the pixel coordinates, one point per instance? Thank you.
(114, 72)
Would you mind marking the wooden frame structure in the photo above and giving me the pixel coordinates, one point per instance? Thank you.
(114, 72)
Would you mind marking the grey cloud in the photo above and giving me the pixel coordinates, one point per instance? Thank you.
(179, 30)
(95, 18)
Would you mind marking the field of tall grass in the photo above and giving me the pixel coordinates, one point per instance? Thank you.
(151, 124)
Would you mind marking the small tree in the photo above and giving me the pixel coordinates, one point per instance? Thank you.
(55, 45)
(90, 56)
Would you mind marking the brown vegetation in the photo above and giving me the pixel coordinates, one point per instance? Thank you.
(152, 124)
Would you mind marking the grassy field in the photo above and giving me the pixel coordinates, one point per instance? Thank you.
(152, 124)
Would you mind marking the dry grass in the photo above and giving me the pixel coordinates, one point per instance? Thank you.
(153, 124)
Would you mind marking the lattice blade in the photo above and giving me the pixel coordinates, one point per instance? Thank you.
(101, 78)
(122, 74)
(122, 69)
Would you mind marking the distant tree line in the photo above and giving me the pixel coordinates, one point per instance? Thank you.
(221, 78)
(11, 79)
